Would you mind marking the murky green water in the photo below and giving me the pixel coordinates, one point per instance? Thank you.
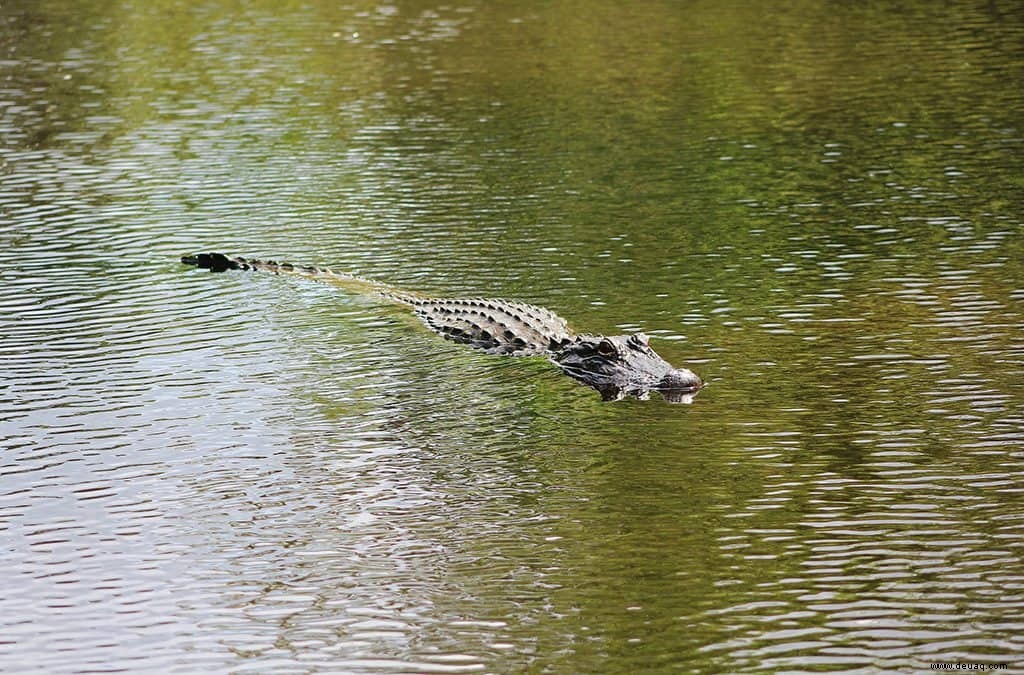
(816, 206)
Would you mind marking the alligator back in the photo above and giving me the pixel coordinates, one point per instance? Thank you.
(496, 326)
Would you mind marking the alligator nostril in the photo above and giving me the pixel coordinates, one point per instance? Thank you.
(680, 379)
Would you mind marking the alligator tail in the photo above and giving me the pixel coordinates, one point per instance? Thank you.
(215, 262)
(218, 262)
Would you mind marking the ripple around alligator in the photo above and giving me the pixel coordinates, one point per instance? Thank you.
(224, 472)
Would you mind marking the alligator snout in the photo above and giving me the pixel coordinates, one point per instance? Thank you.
(681, 380)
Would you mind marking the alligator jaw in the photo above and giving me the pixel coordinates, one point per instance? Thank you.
(610, 392)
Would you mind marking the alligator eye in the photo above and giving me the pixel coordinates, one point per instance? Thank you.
(638, 340)
(606, 348)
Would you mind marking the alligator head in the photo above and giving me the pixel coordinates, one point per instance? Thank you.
(624, 365)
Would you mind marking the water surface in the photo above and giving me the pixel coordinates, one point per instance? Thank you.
(817, 207)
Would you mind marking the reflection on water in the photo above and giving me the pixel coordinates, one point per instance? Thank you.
(817, 208)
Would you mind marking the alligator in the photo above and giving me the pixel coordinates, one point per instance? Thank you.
(617, 366)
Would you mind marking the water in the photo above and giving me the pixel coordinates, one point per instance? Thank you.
(816, 207)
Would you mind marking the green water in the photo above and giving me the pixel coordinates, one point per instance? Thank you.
(815, 206)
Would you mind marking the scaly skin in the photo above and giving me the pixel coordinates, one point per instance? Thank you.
(617, 366)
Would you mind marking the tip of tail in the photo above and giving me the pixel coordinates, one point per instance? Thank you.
(215, 262)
